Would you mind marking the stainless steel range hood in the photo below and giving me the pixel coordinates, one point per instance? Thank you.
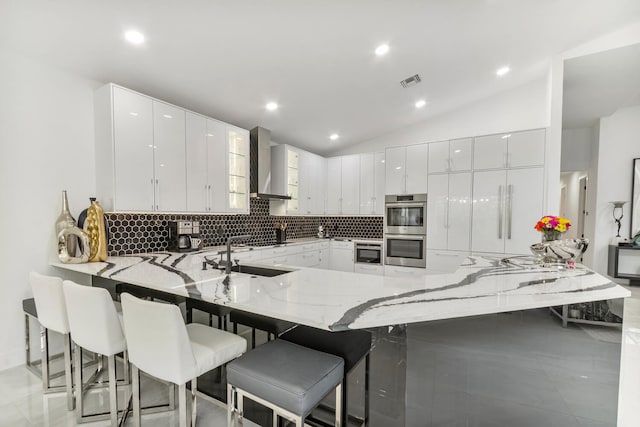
(260, 171)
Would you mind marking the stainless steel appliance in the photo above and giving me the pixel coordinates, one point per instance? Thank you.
(368, 253)
(408, 250)
(405, 230)
(405, 214)
(182, 234)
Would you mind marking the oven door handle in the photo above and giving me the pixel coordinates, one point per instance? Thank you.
(405, 236)
(407, 205)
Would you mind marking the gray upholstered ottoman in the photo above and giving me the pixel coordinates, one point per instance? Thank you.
(288, 378)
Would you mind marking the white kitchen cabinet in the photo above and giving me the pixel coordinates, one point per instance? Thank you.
(506, 206)
(131, 185)
(343, 185)
(450, 156)
(406, 169)
(449, 211)
(296, 172)
(341, 256)
(510, 150)
(206, 179)
(169, 157)
(154, 156)
(237, 169)
(372, 183)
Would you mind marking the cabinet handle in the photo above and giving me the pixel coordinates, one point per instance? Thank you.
(450, 164)
(500, 209)
(153, 193)
(210, 199)
(206, 198)
(509, 209)
(446, 215)
(404, 184)
(158, 191)
(505, 160)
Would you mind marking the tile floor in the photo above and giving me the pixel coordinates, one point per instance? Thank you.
(519, 369)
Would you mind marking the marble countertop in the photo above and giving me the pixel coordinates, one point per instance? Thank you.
(335, 300)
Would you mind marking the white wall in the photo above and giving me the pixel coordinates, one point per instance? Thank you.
(618, 146)
(46, 146)
(571, 182)
(576, 149)
(526, 107)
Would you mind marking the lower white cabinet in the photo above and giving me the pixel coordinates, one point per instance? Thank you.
(369, 269)
(341, 256)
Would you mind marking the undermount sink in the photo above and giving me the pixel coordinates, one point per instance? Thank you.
(258, 271)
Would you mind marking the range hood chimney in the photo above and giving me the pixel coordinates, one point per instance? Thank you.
(260, 169)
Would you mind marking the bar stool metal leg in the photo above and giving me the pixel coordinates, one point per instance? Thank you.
(135, 384)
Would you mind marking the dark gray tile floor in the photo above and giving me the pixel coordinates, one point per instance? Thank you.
(519, 369)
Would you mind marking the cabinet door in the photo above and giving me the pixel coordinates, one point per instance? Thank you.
(489, 190)
(437, 206)
(196, 155)
(527, 148)
(459, 211)
(523, 208)
(490, 152)
(169, 157)
(439, 160)
(294, 173)
(460, 154)
(133, 151)
(351, 184)
(317, 178)
(216, 166)
(394, 170)
(334, 185)
(238, 169)
(379, 183)
(367, 184)
(417, 162)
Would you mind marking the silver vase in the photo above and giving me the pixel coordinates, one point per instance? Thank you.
(65, 220)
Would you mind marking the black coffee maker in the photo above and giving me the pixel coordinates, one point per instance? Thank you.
(184, 236)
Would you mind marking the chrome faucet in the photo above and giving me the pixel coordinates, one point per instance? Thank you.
(230, 240)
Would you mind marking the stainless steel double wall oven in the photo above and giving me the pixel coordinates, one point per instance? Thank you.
(405, 230)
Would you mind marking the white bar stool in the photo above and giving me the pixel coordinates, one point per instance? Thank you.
(161, 345)
(95, 326)
(52, 315)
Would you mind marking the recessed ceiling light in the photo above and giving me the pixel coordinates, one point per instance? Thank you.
(421, 103)
(334, 136)
(167, 116)
(502, 71)
(506, 136)
(133, 113)
(271, 106)
(382, 49)
(134, 37)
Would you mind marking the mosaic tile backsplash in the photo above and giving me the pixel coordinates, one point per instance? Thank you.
(131, 233)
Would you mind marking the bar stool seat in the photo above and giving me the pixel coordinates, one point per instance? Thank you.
(270, 325)
(352, 346)
(288, 378)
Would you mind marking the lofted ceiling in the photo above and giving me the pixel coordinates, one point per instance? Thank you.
(227, 59)
(597, 85)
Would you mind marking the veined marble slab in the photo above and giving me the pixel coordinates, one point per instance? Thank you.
(335, 300)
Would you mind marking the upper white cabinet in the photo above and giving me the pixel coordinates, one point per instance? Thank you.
(154, 156)
(237, 169)
(510, 150)
(343, 185)
(506, 206)
(450, 156)
(140, 152)
(406, 169)
(206, 179)
(300, 175)
(449, 211)
(372, 183)
(169, 157)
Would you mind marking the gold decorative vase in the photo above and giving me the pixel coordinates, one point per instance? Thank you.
(95, 228)
(68, 234)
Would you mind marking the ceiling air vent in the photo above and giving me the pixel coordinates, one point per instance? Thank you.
(410, 81)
